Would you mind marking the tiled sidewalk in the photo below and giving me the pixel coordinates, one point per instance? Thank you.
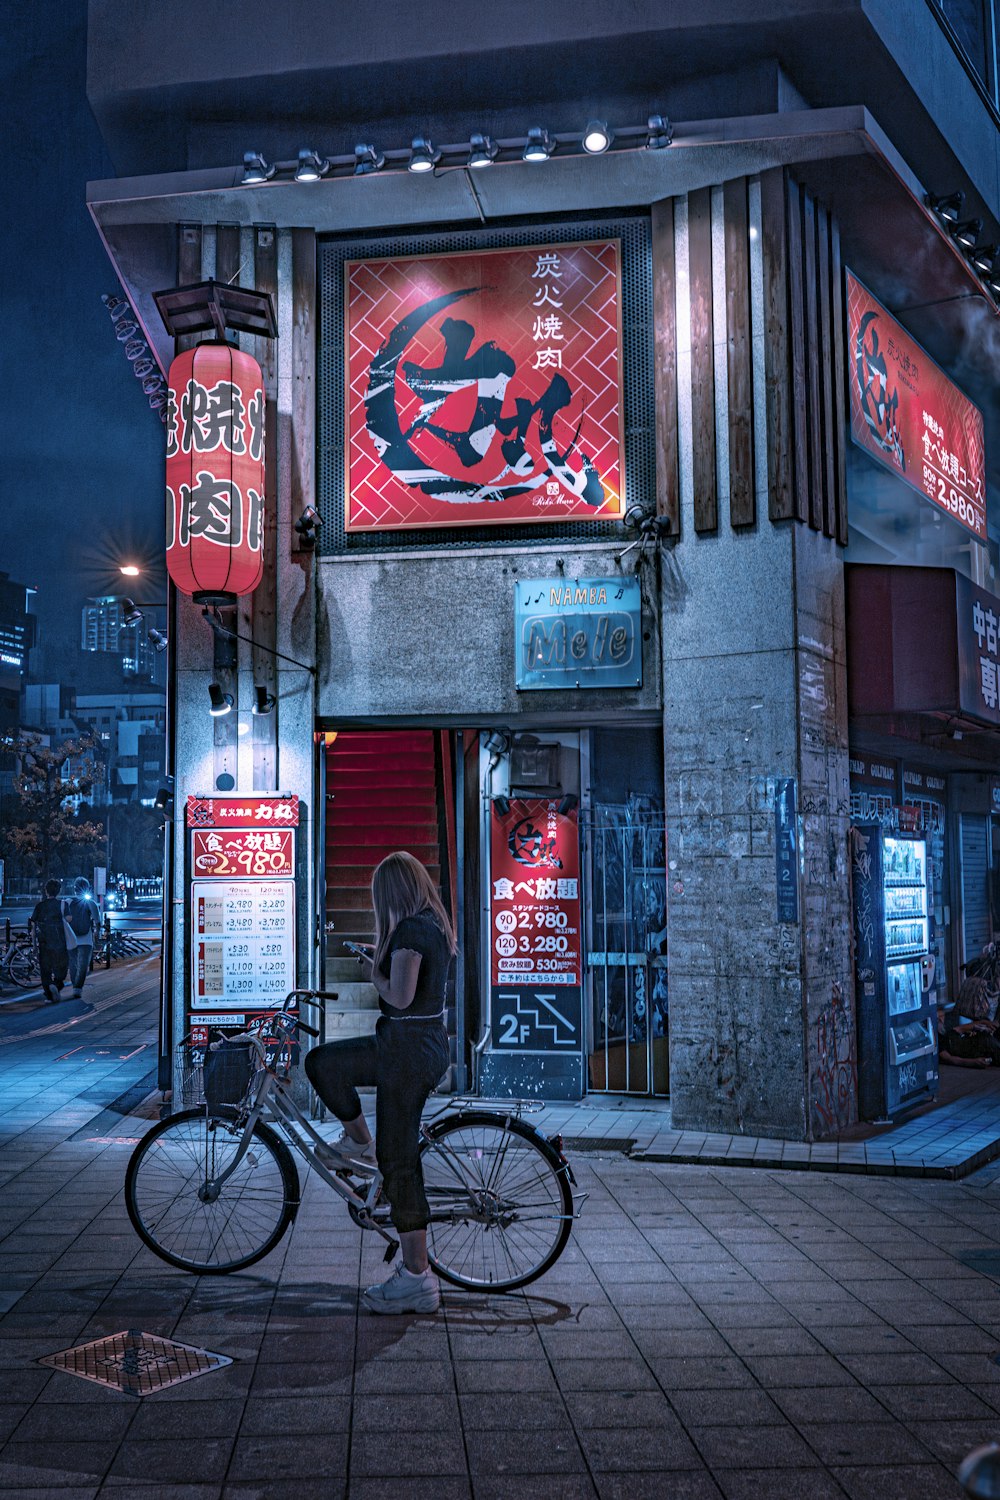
(949, 1140)
(709, 1334)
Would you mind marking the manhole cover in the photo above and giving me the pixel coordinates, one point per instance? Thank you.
(136, 1363)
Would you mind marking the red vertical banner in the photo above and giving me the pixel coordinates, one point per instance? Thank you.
(909, 416)
(535, 933)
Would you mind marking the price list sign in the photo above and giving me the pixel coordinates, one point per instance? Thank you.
(535, 902)
(243, 905)
(244, 942)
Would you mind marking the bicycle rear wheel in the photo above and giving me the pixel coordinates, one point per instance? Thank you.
(22, 966)
(177, 1213)
(501, 1205)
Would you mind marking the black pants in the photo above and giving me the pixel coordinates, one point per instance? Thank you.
(53, 963)
(403, 1060)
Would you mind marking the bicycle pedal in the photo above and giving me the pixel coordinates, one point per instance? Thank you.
(391, 1249)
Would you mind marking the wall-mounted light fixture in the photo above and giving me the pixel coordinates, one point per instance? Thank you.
(256, 169)
(501, 805)
(311, 166)
(596, 138)
(263, 701)
(220, 703)
(308, 526)
(948, 207)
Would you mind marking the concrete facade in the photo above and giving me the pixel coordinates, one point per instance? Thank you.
(745, 657)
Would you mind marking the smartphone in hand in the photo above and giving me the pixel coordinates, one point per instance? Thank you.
(358, 949)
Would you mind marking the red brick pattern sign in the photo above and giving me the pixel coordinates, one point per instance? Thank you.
(484, 388)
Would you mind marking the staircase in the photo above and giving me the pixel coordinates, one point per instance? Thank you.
(381, 795)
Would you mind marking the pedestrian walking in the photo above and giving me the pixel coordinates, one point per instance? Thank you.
(84, 920)
(46, 925)
(407, 1056)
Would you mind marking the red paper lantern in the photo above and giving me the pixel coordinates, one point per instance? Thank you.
(215, 473)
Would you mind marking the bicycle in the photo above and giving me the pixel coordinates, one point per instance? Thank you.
(19, 962)
(213, 1189)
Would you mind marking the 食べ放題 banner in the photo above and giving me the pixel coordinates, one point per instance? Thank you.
(907, 413)
(484, 388)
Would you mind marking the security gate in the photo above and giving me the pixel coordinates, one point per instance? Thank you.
(626, 967)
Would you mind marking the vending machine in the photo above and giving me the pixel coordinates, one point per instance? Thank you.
(897, 1028)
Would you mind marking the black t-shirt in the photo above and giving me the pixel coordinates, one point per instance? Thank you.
(48, 919)
(420, 934)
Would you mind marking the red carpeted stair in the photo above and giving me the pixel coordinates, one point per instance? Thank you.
(381, 796)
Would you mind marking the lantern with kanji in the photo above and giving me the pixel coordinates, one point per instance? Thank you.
(215, 473)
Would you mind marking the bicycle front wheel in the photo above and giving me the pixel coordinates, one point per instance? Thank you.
(501, 1205)
(22, 967)
(176, 1208)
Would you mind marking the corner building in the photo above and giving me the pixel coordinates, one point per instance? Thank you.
(689, 734)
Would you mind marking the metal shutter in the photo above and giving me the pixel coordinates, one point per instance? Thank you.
(975, 886)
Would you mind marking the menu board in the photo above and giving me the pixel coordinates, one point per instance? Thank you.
(233, 852)
(243, 942)
(535, 906)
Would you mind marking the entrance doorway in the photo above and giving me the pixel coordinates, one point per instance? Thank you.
(627, 957)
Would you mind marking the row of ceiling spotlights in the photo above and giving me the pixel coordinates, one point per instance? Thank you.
(984, 259)
(480, 151)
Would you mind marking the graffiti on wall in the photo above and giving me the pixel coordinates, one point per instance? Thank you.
(835, 1074)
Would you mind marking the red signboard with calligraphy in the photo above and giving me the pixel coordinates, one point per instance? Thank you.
(907, 414)
(535, 895)
(240, 852)
(242, 812)
(484, 388)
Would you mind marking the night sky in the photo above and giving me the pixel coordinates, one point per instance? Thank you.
(82, 452)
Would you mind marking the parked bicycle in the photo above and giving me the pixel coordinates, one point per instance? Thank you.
(213, 1189)
(19, 961)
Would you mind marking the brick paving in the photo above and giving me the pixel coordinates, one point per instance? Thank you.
(711, 1333)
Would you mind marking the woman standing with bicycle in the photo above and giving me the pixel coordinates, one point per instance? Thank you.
(407, 1056)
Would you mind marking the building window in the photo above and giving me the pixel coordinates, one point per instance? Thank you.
(971, 25)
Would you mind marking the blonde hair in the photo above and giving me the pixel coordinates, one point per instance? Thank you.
(401, 888)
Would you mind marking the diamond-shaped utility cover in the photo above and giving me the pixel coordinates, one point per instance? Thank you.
(136, 1363)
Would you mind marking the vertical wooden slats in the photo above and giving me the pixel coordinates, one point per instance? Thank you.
(814, 354)
(264, 608)
(706, 500)
(189, 238)
(739, 353)
(797, 337)
(668, 500)
(227, 253)
(825, 361)
(304, 370)
(839, 385)
(774, 247)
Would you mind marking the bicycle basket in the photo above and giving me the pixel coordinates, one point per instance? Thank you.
(227, 1071)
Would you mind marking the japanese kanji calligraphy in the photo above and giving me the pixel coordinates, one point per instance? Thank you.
(907, 414)
(535, 895)
(485, 388)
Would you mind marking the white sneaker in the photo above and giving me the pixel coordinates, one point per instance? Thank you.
(405, 1292)
(343, 1154)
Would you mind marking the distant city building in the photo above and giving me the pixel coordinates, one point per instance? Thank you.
(129, 727)
(17, 636)
(103, 630)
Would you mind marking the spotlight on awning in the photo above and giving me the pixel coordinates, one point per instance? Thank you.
(965, 234)
(597, 137)
(948, 208)
(311, 166)
(568, 803)
(502, 806)
(482, 151)
(423, 157)
(984, 258)
(263, 701)
(255, 168)
(367, 159)
(220, 702)
(539, 145)
(659, 133)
